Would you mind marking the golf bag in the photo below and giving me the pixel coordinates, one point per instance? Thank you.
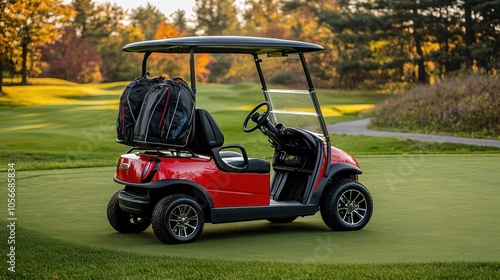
(166, 115)
(130, 106)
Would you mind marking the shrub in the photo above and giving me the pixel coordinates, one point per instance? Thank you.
(468, 106)
(283, 78)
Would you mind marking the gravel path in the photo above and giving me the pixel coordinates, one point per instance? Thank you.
(360, 127)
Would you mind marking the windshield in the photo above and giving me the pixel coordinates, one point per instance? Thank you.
(292, 106)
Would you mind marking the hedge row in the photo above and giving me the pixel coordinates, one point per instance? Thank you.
(467, 106)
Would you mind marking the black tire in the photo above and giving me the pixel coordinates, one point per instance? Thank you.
(347, 206)
(124, 222)
(282, 220)
(177, 219)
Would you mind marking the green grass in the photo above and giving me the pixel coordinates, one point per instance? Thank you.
(435, 215)
(421, 202)
(431, 214)
(44, 257)
(78, 128)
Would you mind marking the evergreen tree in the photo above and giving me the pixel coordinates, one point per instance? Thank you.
(377, 39)
(84, 11)
(217, 17)
(264, 18)
(117, 64)
(482, 21)
(148, 18)
(179, 20)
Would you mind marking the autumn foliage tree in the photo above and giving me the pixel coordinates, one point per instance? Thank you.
(29, 25)
(72, 58)
(368, 44)
(177, 65)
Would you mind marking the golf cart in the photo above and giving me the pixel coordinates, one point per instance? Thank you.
(178, 189)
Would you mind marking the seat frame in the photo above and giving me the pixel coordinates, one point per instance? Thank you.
(209, 140)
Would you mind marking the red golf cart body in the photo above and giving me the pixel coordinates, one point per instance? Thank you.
(179, 189)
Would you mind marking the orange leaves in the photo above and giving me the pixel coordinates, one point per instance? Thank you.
(173, 65)
(165, 30)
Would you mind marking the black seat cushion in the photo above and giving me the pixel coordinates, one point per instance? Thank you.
(207, 134)
(209, 140)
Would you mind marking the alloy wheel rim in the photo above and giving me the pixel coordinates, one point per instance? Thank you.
(183, 221)
(352, 207)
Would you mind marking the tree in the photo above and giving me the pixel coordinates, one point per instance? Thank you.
(377, 40)
(30, 24)
(481, 23)
(178, 19)
(147, 18)
(72, 58)
(303, 24)
(7, 31)
(105, 21)
(173, 65)
(447, 33)
(104, 28)
(85, 9)
(355, 29)
(108, 32)
(217, 17)
(265, 18)
(117, 64)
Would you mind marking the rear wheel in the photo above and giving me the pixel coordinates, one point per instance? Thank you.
(347, 206)
(125, 222)
(177, 219)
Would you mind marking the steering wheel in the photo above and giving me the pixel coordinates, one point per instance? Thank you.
(260, 119)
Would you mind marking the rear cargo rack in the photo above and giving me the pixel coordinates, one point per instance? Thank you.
(164, 152)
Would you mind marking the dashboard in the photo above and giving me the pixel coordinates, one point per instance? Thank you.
(298, 153)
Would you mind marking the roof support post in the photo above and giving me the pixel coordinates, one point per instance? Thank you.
(192, 70)
(312, 93)
(257, 61)
(144, 63)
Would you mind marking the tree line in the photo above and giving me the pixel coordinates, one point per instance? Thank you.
(368, 43)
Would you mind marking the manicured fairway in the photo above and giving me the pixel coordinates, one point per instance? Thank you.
(435, 215)
(427, 208)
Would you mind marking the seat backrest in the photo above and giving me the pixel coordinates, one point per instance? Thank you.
(207, 134)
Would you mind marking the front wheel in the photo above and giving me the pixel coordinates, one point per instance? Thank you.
(124, 222)
(347, 206)
(177, 219)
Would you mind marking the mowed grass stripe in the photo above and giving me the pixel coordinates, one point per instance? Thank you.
(44, 257)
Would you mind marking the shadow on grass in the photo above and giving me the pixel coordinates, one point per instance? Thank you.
(264, 229)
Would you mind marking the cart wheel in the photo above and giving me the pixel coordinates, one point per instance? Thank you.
(282, 220)
(177, 219)
(125, 222)
(347, 206)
